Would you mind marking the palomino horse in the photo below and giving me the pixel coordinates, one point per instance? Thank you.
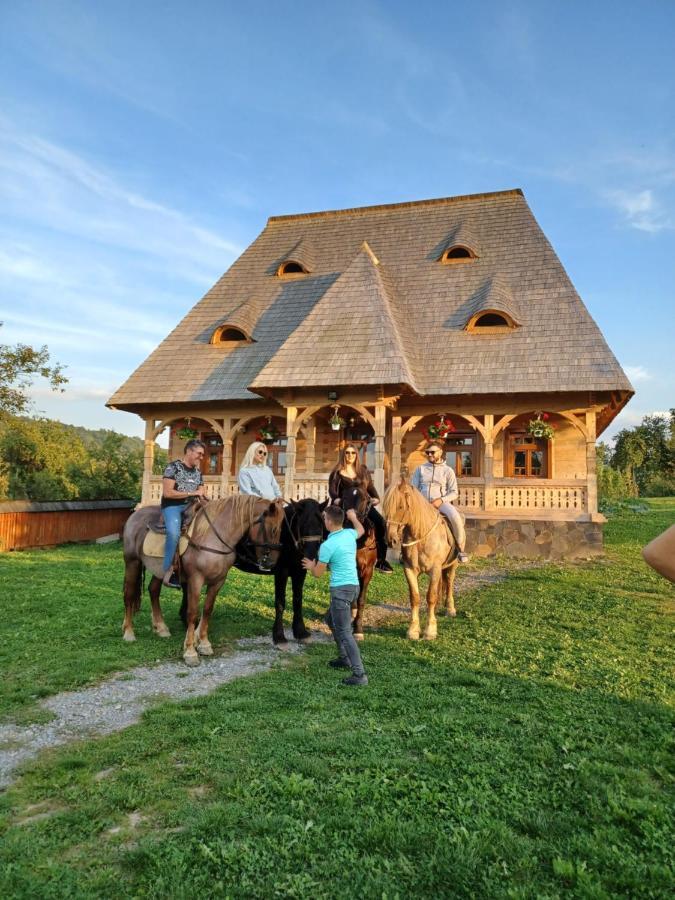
(357, 498)
(427, 546)
(219, 526)
(301, 534)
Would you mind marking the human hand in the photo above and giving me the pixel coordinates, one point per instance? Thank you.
(307, 564)
(351, 515)
(437, 503)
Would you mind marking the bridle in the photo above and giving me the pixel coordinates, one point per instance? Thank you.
(264, 563)
(302, 539)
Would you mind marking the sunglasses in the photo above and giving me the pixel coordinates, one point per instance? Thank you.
(350, 452)
(262, 452)
(432, 452)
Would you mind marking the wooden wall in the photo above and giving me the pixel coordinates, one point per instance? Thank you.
(39, 527)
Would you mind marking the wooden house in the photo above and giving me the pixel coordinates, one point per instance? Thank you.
(398, 317)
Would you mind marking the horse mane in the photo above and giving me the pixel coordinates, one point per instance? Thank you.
(240, 509)
(417, 513)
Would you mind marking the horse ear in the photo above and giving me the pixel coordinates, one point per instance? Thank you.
(325, 504)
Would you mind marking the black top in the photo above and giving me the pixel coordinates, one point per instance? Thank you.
(187, 480)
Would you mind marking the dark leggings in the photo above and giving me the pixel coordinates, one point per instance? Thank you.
(380, 527)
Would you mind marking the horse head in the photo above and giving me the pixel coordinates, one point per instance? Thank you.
(265, 533)
(396, 511)
(358, 499)
(305, 524)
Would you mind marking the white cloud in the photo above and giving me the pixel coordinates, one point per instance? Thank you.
(48, 185)
(640, 209)
(638, 373)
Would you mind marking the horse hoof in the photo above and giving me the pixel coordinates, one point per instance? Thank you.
(305, 640)
(430, 637)
(205, 648)
(358, 636)
(414, 635)
(452, 613)
(191, 658)
(129, 637)
(162, 631)
(284, 646)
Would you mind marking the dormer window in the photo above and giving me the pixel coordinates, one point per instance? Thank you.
(458, 254)
(491, 322)
(291, 267)
(227, 334)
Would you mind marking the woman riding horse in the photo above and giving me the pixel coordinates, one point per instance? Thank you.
(350, 474)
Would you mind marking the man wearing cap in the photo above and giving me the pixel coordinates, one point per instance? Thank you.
(438, 483)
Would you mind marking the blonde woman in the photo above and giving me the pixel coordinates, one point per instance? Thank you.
(255, 476)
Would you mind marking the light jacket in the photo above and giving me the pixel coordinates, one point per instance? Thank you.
(436, 482)
(259, 481)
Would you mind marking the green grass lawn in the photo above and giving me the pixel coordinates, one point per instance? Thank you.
(528, 752)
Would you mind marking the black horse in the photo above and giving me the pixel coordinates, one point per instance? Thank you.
(301, 534)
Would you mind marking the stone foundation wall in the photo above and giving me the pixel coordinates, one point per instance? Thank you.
(536, 539)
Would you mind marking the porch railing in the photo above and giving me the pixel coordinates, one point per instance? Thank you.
(562, 499)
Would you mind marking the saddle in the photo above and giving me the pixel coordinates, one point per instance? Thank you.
(155, 538)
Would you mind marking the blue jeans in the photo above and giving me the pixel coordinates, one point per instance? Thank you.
(173, 516)
(339, 620)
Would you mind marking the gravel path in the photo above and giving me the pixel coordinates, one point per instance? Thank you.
(120, 700)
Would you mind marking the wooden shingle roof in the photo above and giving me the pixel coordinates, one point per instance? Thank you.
(390, 310)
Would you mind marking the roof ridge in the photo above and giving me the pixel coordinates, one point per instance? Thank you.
(406, 204)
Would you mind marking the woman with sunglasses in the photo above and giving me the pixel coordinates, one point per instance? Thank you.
(255, 476)
(350, 473)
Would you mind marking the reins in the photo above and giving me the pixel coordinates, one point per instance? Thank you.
(230, 549)
(423, 538)
(301, 539)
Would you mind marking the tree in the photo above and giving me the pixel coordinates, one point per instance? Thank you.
(646, 455)
(19, 365)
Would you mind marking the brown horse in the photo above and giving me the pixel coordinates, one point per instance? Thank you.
(357, 498)
(219, 526)
(427, 546)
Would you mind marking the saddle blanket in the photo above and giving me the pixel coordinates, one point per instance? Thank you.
(153, 545)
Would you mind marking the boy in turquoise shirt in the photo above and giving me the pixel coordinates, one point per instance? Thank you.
(338, 553)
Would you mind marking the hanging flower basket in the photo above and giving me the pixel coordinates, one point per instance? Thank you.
(540, 427)
(336, 422)
(438, 430)
(187, 434)
(268, 433)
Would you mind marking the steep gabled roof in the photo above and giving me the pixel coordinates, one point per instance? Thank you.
(403, 318)
(349, 337)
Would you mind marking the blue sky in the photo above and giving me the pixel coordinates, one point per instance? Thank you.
(144, 145)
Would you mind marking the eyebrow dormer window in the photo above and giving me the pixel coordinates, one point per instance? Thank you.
(226, 334)
(458, 254)
(491, 322)
(491, 319)
(291, 267)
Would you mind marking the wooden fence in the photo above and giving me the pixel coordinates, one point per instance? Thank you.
(26, 524)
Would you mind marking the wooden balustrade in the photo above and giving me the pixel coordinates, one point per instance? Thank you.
(560, 499)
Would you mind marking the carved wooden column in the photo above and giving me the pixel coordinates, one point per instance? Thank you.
(228, 442)
(591, 465)
(380, 428)
(488, 463)
(291, 428)
(310, 446)
(396, 438)
(148, 460)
